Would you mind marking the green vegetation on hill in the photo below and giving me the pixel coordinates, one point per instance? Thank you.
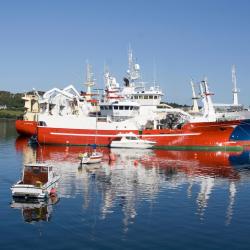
(176, 105)
(11, 100)
(14, 104)
(11, 114)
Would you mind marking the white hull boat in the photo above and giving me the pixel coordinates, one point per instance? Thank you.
(38, 182)
(91, 158)
(130, 140)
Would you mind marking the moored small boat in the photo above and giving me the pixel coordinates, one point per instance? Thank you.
(130, 140)
(38, 182)
(90, 158)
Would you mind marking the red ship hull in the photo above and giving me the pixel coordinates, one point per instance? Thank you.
(214, 136)
(26, 128)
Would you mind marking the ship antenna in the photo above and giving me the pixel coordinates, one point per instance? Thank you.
(89, 80)
(130, 63)
(235, 90)
(133, 71)
(154, 74)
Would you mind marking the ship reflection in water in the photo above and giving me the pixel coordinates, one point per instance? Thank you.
(137, 176)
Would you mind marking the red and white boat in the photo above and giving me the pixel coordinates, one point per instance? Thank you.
(68, 118)
(173, 132)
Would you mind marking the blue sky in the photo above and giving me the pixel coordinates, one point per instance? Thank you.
(45, 44)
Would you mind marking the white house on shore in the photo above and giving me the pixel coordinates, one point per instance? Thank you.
(3, 107)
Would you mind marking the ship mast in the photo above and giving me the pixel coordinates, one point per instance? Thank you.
(133, 71)
(89, 81)
(235, 91)
(194, 98)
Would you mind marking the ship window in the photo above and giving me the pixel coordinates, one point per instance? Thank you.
(150, 97)
(145, 97)
(132, 97)
(155, 97)
(131, 138)
(120, 107)
(136, 96)
(42, 123)
(117, 139)
(131, 107)
(140, 97)
(101, 107)
(115, 107)
(126, 107)
(110, 107)
(106, 107)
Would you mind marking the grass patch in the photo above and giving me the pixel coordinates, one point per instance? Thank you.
(10, 113)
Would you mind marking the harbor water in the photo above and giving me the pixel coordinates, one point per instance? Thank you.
(142, 199)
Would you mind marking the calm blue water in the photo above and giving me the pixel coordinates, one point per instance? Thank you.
(145, 199)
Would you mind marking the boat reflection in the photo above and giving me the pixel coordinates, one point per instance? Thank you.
(35, 210)
(134, 176)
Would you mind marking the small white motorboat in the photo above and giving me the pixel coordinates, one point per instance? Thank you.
(38, 182)
(130, 140)
(91, 157)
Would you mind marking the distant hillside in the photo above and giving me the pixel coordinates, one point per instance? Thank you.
(176, 105)
(11, 100)
(12, 105)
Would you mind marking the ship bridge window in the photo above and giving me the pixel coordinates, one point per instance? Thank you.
(150, 97)
(140, 97)
(42, 123)
(106, 107)
(136, 108)
(110, 107)
(117, 139)
(155, 97)
(145, 97)
(126, 107)
(131, 138)
(101, 107)
(136, 96)
(115, 107)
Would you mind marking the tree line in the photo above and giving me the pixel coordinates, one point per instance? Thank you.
(11, 100)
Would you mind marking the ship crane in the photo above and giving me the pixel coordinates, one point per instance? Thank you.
(194, 98)
(209, 111)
